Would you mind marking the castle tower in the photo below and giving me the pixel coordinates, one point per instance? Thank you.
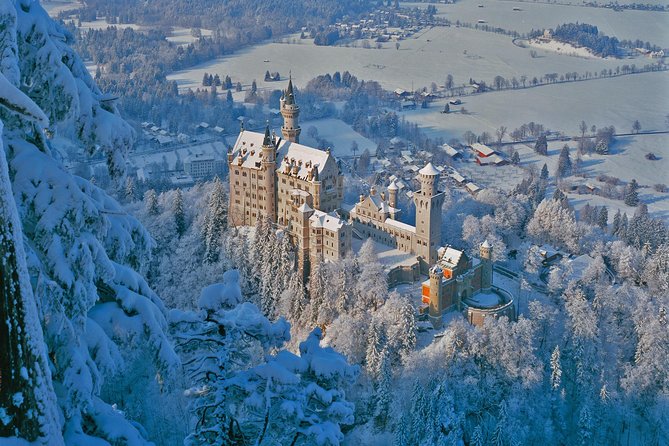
(436, 274)
(428, 214)
(485, 251)
(392, 194)
(290, 112)
(269, 175)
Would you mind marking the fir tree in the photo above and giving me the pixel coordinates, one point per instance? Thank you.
(556, 368)
(541, 145)
(515, 158)
(130, 191)
(27, 400)
(178, 213)
(603, 218)
(632, 194)
(214, 222)
(564, 163)
(151, 202)
(615, 226)
(544, 172)
(383, 394)
(375, 349)
(477, 437)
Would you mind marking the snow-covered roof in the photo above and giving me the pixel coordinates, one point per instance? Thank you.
(451, 257)
(249, 147)
(324, 220)
(400, 225)
(392, 185)
(482, 149)
(304, 208)
(457, 177)
(429, 170)
(485, 244)
(472, 187)
(450, 151)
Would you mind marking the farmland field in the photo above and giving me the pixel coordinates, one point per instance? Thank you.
(645, 25)
(463, 53)
(559, 107)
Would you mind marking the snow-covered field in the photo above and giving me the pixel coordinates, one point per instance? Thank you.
(338, 133)
(182, 36)
(626, 161)
(562, 48)
(101, 23)
(645, 25)
(56, 7)
(602, 102)
(429, 57)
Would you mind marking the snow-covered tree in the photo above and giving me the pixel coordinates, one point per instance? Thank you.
(28, 407)
(151, 202)
(556, 368)
(632, 194)
(81, 248)
(215, 222)
(179, 213)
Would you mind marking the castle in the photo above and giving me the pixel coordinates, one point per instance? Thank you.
(300, 189)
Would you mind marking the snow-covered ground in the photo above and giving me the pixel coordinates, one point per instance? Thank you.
(645, 25)
(338, 133)
(425, 58)
(562, 48)
(388, 257)
(626, 161)
(602, 102)
(101, 23)
(183, 36)
(56, 7)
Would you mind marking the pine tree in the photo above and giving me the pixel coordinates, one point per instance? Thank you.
(541, 145)
(178, 213)
(215, 222)
(27, 400)
(556, 368)
(477, 437)
(632, 194)
(615, 226)
(603, 218)
(585, 425)
(316, 292)
(622, 231)
(564, 163)
(375, 349)
(515, 158)
(130, 192)
(151, 202)
(544, 172)
(228, 97)
(383, 394)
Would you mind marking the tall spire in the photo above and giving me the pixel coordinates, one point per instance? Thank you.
(290, 97)
(267, 142)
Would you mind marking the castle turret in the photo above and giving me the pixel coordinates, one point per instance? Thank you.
(392, 194)
(290, 112)
(436, 275)
(485, 251)
(269, 174)
(428, 214)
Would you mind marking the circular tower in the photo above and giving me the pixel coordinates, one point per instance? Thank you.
(290, 111)
(485, 251)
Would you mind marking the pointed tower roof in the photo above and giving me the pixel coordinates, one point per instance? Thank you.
(393, 185)
(289, 95)
(429, 170)
(267, 142)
